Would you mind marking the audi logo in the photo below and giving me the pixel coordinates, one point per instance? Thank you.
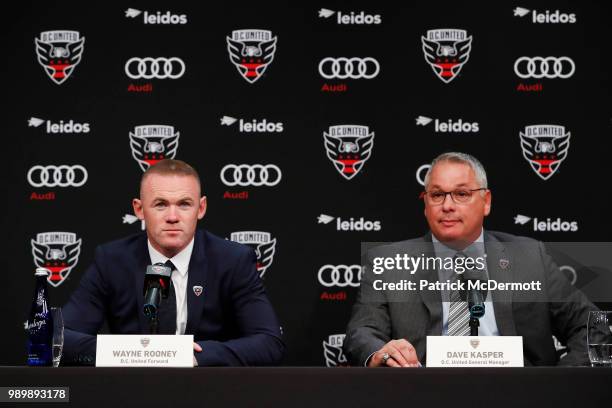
(573, 276)
(158, 68)
(57, 176)
(354, 68)
(544, 67)
(421, 173)
(251, 175)
(340, 275)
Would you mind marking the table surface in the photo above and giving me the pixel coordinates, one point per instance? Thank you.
(321, 387)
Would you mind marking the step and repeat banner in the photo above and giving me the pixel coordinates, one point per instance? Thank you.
(312, 127)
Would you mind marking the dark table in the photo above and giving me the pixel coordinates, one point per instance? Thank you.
(320, 387)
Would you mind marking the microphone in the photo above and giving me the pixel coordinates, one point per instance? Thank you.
(474, 297)
(156, 286)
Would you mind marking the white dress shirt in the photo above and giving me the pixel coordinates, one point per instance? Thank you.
(179, 280)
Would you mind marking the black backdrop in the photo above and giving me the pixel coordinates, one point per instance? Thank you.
(290, 92)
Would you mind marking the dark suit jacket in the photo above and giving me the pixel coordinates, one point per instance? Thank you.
(559, 309)
(232, 319)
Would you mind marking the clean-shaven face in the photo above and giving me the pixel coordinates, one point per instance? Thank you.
(171, 206)
(452, 223)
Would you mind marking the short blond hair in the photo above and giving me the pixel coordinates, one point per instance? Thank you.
(171, 167)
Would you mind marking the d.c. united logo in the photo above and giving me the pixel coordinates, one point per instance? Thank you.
(348, 147)
(152, 143)
(332, 351)
(59, 52)
(263, 244)
(57, 252)
(251, 51)
(545, 147)
(446, 50)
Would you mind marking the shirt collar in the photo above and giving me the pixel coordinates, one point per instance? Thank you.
(180, 260)
(476, 247)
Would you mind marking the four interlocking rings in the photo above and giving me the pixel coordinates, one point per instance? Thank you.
(421, 172)
(251, 175)
(571, 271)
(354, 68)
(57, 176)
(340, 275)
(159, 68)
(544, 67)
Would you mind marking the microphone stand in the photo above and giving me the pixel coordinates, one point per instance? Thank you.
(153, 322)
(474, 324)
(154, 290)
(150, 311)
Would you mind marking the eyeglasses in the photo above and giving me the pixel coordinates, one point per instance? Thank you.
(460, 196)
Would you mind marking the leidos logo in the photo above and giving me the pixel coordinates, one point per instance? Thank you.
(253, 126)
(449, 126)
(549, 225)
(152, 143)
(332, 351)
(131, 219)
(545, 147)
(446, 51)
(348, 147)
(251, 51)
(157, 17)
(357, 18)
(58, 252)
(59, 52)
(61, 127)
(262, 242)
(547, 17)
(351, 225)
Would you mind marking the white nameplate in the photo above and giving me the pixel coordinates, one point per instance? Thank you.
(143, 350)
(475, 351)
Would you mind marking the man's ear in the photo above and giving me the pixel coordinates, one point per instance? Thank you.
(202, 208)
(137, 206)
(487, 206)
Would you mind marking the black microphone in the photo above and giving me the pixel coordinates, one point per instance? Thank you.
(475, 298)
(156, 286)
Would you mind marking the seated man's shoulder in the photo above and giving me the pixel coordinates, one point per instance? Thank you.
(527, 247)
(505, 237)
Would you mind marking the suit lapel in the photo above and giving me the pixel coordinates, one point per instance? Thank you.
(196, 278)
(142, 261)
(497, 257)
(432, 298)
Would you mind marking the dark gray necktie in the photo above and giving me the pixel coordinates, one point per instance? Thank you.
(167, 309)
(458, 312)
